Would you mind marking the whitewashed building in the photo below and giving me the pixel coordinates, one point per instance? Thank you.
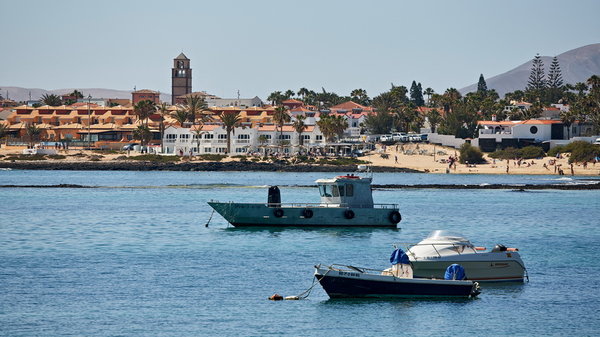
(212, 138)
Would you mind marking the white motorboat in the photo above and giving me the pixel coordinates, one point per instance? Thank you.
(431, 257)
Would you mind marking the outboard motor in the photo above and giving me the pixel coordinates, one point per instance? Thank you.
(499, 248)
(274, 199)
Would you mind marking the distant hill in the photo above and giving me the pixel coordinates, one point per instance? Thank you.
(22, 94)
(576, 65)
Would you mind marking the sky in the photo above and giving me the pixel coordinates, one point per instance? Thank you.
(258, 47)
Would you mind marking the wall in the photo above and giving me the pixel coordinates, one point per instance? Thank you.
(446, 140)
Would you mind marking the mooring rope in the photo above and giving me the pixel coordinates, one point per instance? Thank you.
(210, 218)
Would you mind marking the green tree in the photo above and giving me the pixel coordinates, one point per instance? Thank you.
(230, 120)
(280, 117)
(303, 92)
(144, 109)
(481, 85)
(194, 105)
(470, 154)
(143, 134)
(276, 98)
(332, 126)
(163, 111)
(181, 116)
(289, 94)
(3, 132)
(434, 118)
(51, 100)
(299, 127)
(33, 133)
(416, 94)
(360, 96)
(555, 82)
(568, 118)
(429, 92)
(379, 122)
(536, 84)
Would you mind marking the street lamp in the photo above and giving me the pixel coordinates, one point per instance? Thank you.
(89, 121)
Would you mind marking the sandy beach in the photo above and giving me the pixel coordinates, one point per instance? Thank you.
(414, 156)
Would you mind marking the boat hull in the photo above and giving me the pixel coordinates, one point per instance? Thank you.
(261, 215)
(340, 284)
(496, 270)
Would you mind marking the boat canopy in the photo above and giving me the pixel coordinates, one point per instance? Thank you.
(441, 243)
(348, 191)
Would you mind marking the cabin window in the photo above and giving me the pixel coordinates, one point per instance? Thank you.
(336, 192)
(349, 190)
(341, 188)
(326, 190)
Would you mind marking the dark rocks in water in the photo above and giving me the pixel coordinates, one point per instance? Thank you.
(187, 166)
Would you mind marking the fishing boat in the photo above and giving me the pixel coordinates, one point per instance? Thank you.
(343, 281)
(431, 257)
(346, 201)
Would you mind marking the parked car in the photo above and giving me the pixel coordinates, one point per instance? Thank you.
(386, 138)
(397, 137)
(130, 146)
(597, 142)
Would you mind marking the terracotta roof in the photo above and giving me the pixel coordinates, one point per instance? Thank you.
(349, 105)
(291, 100)
(498, 122)
(542, 121)
(146, 91)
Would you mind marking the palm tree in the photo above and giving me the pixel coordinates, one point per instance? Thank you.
(195, 104)
(198, 135)
(3, 132)
(332, 126)
(144, 109)
(303, 92)
(428, 92)
(280, 117)
(289, 94)
(163, 111)
(33, 132)
(230, 120)
(299, 127)
(275, 97)
(568, 118)
(181, 116)
(360, 96)
(142, 133)
(434, 118)
(51, 100)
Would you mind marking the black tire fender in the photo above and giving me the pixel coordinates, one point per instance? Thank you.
(278, 212)
(349, 214)
(395, 217)
(307, 213)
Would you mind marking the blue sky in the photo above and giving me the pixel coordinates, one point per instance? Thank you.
(261, 46)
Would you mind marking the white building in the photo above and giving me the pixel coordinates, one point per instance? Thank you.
(212, 138)
(493, 134)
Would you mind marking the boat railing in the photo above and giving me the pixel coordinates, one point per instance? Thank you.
(458, 248)
(320, 205)
(354, 269)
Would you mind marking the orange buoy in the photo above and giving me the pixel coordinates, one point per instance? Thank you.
(276, 297)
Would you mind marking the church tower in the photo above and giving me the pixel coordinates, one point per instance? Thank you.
(181, 77)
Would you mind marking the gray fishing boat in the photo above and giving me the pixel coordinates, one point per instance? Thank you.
(346, 201)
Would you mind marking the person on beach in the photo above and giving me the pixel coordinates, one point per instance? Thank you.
(396, 159)
(572, 171)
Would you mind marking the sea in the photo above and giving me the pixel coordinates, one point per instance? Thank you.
(138, 254)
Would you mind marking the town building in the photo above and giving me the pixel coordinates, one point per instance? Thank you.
(145, 95)
(181, 77)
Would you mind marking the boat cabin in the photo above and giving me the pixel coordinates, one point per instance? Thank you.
(346, 191)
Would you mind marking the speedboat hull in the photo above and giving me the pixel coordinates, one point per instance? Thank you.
(491, 270)
(315, 215)
(355, 284)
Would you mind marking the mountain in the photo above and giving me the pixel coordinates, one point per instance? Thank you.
(576, 65)
(22, 94)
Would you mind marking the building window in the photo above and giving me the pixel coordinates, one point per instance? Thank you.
(184, 136)
(222, 136)
(306, 137)
(207, 149)
(209, 136)
(319, 137)
(243, 137)
(284, 137)
(171, 136)
(240, 150)
(533, 130)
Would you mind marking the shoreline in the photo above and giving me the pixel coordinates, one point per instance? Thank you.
(513, 187)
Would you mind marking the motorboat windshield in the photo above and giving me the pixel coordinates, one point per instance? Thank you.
(441, 243)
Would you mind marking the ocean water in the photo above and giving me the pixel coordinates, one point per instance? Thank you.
(133, 257)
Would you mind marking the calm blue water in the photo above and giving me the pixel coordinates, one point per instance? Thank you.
(134, 258)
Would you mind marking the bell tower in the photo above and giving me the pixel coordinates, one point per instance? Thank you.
(181, 77)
